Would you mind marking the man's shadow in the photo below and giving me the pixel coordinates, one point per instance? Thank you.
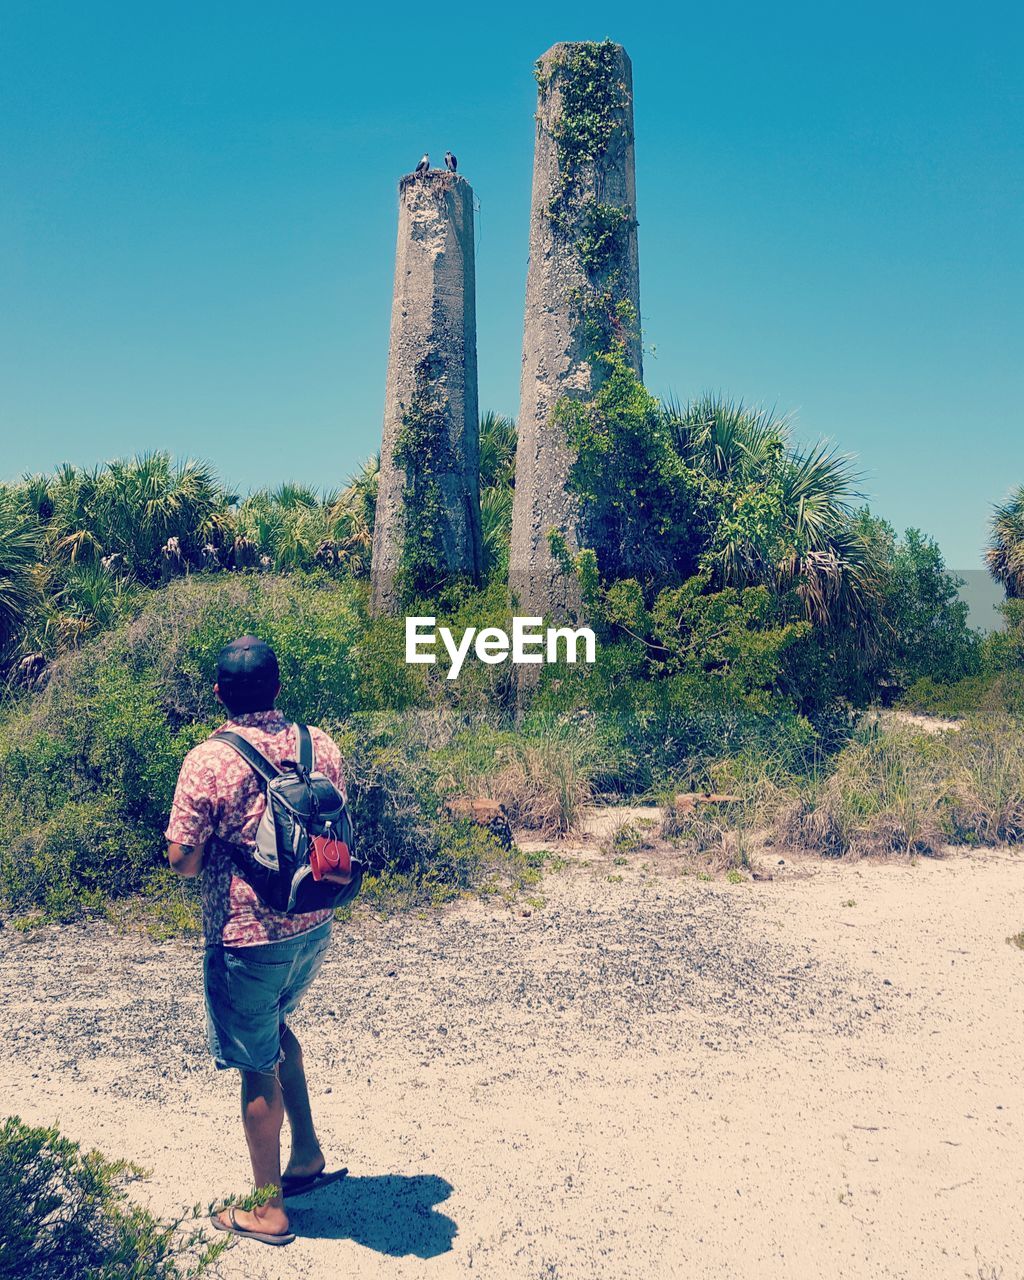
(390, 1213)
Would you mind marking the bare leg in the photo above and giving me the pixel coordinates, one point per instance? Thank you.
(262, 1117)
(307, 1156)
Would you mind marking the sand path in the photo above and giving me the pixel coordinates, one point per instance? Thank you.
(651, 1076)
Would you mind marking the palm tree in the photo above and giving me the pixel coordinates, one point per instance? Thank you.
(131, 508)
(84, 600)
(497, 480)
(292, 495)
(149, 499)
(1005, 554)
(725, 439)
(286, 526)
(352, 515)
(786, 516)
(296, 527)
(496, 526)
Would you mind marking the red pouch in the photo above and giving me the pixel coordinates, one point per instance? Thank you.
(327, 854)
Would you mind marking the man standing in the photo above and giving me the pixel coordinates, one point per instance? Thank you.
(258, 962)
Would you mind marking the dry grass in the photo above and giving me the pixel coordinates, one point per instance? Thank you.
(885, 796)
(727, 836)
(988, 784)
(712, 839)
(905, 792)
(544, 783)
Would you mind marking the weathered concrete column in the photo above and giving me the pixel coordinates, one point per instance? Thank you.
(584, 188)
(427, 529)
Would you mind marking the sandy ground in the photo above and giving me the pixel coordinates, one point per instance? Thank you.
(650, 1076)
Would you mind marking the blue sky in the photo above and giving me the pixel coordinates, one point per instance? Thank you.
(197, 220)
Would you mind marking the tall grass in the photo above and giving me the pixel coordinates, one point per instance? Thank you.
(988, 784)
(897, 791)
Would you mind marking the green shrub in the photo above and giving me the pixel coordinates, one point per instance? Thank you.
(954, 700)
(926, 633)
(391, 787)
(75, 860)
(993, 695)
(66, 1214)
(88, 766)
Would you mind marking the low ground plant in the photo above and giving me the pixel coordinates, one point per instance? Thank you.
(67, 1213)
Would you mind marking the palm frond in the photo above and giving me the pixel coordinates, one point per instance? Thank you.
(497, 450)
(1005, 553)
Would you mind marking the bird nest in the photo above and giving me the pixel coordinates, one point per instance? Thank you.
(435, 179)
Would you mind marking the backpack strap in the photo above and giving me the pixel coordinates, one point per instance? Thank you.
(257, 762)
(305, 747)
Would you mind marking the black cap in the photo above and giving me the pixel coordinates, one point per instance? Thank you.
(247, 674)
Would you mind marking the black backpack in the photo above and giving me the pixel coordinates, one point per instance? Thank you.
(305, 833)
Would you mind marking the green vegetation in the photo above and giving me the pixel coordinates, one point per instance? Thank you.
(906, 792)
(77, 546)
(497, 480)
(593, 99)
(720, 647)
(424, 452)
(67, 1214)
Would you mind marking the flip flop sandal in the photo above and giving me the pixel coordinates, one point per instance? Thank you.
(264, 1237)
(300, 1184)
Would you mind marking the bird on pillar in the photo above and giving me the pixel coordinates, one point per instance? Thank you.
(451, 162)
(424, 164)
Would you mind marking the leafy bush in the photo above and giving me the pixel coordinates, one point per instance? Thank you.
(66, 1214)
(392, 786)
(995, 691)
(925, 633)
(88, 766)
(954, 701)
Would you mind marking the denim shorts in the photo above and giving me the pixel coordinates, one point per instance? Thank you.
(251, 990)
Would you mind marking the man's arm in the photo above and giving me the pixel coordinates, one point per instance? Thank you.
(186, 859)
(193, 814)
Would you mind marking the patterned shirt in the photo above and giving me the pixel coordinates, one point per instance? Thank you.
(219, 799)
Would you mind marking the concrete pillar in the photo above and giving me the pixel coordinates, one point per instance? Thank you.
(580, 175)
(428, 490)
